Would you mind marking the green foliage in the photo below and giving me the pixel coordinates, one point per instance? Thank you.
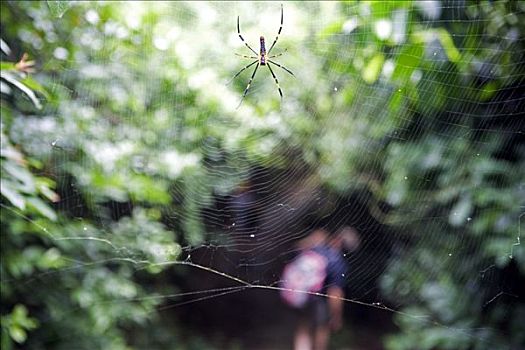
(89, 294)
(451, 193)
(15, 326)
(113, 149)
(58, 7)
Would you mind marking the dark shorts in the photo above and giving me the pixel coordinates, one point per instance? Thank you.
(315, 313)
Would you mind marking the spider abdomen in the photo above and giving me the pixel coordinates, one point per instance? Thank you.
(262, 54)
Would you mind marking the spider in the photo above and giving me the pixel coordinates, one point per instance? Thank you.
(262, 58)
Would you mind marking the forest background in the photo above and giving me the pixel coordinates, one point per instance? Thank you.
(124, 155)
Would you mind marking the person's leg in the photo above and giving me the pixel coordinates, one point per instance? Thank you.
(322, 336)
(321, 331)
(302, 339)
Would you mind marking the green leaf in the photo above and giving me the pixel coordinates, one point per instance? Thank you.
(7, 65)
(49, 193)
(5, 48)
(18, 334)
(381, 9)
(143, 188)
(58, 8)
(12, 195)
(460, 212)
(18, 322)
(24, 178)
(396, 101)
(29, 93)
(42, 208)
(332, 28)
(372, 70)
(35, 85)
(448, 44)
(20, 317)
(51, 259)
(488, 90)
(407, 61)
(6, 343)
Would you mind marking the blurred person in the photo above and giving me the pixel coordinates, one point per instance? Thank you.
(244, 230)
(243, 207)
(319, 268)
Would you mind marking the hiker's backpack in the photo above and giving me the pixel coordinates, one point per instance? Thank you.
(304, 274)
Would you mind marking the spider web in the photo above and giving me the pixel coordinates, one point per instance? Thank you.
(261, 185)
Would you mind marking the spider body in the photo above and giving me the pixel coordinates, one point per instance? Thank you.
(262, 54)
(262, 58)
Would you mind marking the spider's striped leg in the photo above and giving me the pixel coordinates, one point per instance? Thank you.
(276, 81)
(240, 36)
(283, 67)
(279, 54)
(279, 32)
(249, 83)
(244, 56)
(242, 70)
